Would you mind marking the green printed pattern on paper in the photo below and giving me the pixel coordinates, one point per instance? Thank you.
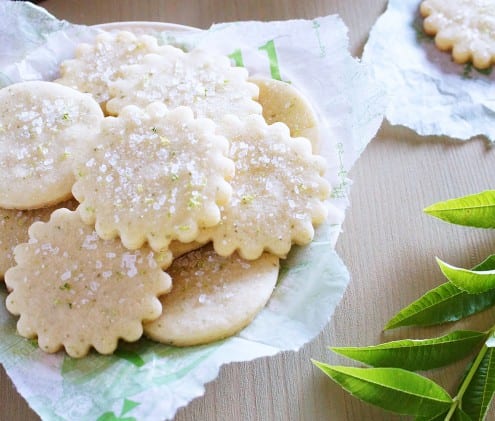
(148, 380)
(127, 406)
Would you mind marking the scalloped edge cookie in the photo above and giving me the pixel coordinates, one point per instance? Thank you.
(279, 192)
(156, 175)
(464, 27)
(73, 290)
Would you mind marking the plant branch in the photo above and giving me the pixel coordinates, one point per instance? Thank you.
(457, 401)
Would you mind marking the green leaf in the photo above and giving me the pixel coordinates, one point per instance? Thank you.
(460, 415)
(445, 303)
(416, 355)
(476, 210)
(392, 389)
(487, 264)
(471, 281)
(479, 393)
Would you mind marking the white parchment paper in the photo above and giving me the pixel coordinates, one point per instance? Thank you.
(428, 92)
(149, 381)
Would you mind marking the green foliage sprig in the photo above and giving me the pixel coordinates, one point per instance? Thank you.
(390, 380)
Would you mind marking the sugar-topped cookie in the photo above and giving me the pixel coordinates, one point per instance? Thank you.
(96, 65)
(43, 126)
(206, 82)
(467, 27)
(278, 190)
(156, 175)
(282, 102)
(212, 297)
(74, 290)
(14, 225)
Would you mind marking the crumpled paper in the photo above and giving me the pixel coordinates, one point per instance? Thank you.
(150, 381)
(428, 92)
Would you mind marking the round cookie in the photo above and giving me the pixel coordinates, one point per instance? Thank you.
(43, 126)
(73, 290)
(96, 65)
(156, 176)
(465, 27)
(14, 225)
(206, 82)
(178, 249)
(278, 190)
(283, 103)
(212, 297)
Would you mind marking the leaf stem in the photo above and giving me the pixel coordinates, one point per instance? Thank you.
(457, 401)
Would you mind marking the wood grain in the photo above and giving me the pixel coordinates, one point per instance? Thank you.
(388, 243)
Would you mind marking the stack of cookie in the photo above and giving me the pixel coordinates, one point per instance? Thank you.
(188, 182)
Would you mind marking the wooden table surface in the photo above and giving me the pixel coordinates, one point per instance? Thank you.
(388, 244)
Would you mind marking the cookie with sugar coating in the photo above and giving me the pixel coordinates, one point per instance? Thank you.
(282, 102)
(465, 27)
(156, 175)
(97, 64)
(73, 290)
(14, 225)
(201, 80)
(212, 297)
(43, 126)
(279, 192)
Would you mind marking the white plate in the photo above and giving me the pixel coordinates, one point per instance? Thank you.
(144, 26)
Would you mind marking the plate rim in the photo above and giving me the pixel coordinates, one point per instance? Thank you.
(144, 25)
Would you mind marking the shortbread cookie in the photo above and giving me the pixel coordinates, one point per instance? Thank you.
(96, 65)
(14, 225)
(212, 297)
(43, 125)
(206, 82)
(157, 175)
(283, 103)
(467, 27)
(73, 290)
(278, 190)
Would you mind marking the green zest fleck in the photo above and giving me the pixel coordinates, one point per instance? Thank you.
(65, 287)
(66, 117)
(154, 130)
(247, 199)
(64, 156)
(184, 228)
(175, 177)
(194, 202)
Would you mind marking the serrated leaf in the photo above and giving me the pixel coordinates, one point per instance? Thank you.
(479, 393)
(475, 210)
(392, 389)
(414, 355)
(471, 281)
